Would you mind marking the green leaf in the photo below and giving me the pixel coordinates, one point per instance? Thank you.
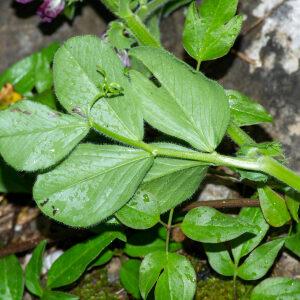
(33, 270)
(253, 176)
(219, 259)
(244, 244)
(50, 51)
(43, 73)
(273, 207)
(76, 79)
(91, 184)
(20, 75)
(167, 184)
(177, 281)
(104, 258)
(82, 67)
(55, 295)
(272, 149)
(142, 243)
(30, 71)
(129, 276)
(292, 243)
(260, 260)
(11, 278)
(292, 199)
(210, 31)
(47, 98)
(116, 36)
(245, 111)
(206, 224)
(69, 266)
(278, 288)
(187, 105)
(34, 136)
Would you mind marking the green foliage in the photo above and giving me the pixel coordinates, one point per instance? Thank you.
(11, 278)
(260, 260)
(69, 266)
(33, 270)
(246, 243)
(81, 67)
(174, 274)
(219, 259)
(277, 288)
(292, 200)
(101, 175)
(55, 295)
(201, 103)
(32, 71)
(206, 224)
(116, 36)
(168, 183)
(210, 30)
(273, 207)
(137, 183)
(129, 276)
(245, 111)
(102, 259)
(292, 243)
(143, 243)
(34, 136)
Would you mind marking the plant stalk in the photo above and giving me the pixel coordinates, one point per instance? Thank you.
(238, 135)
(169, 227)
(262, 164)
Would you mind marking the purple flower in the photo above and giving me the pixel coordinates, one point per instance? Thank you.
(50, 9)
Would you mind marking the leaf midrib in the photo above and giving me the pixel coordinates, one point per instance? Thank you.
(97, 175)
(78, 258)
(22, 133)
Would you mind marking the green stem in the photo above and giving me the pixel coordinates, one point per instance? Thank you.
(262, 164)
(138, 29)
(198, 65)
(150, 8)
(279, 171)
(112, 5)
(169, 226)
(238, 135)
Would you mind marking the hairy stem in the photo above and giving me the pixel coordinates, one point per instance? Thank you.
(238, 135)
(262, 164)
(169, 227)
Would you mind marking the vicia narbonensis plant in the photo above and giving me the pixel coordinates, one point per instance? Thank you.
(113, 86)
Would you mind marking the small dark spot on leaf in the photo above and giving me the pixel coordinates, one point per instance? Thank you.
(16, 110)
(77, 110)
(54, 210)
(44, 202)
(26, 112)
